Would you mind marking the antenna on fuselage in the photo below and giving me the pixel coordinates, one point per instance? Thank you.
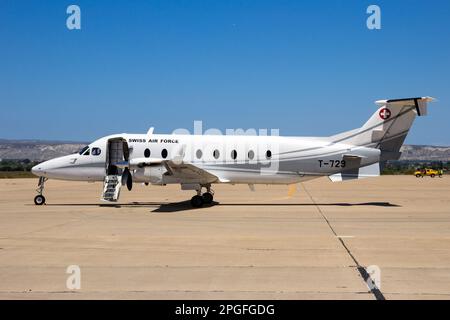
(150, 131)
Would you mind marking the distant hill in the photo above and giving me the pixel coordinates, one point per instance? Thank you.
(37, 150)
(430, 153)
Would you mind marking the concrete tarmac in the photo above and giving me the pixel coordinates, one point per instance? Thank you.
(315, 244)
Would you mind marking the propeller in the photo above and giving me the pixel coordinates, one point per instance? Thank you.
(127, 179)
(126, 175)
(125, 150)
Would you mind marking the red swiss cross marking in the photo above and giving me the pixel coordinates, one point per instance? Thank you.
(384, 113)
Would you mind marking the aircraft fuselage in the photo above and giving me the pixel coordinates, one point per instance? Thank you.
(235, 159)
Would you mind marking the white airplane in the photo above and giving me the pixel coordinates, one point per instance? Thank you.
(198, 161)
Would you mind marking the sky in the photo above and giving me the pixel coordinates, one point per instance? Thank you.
(307, 68)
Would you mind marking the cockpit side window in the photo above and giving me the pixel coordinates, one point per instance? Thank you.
(96, 151)
(83, 151)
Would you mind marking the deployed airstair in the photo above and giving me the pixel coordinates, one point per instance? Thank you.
(117, 152)
(111, 188)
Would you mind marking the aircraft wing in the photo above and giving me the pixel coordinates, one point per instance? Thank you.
(176, 167)
(188, 171)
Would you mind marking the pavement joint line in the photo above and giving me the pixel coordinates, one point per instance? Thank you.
(363, 272)
(174, 291)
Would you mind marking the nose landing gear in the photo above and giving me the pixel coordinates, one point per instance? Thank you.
(40, 199)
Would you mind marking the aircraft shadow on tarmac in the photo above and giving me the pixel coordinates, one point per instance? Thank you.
(186, 205)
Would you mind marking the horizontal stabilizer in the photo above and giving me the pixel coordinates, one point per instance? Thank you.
(419, 103)
(372, 170)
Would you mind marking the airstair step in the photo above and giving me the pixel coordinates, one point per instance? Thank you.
(111, 188)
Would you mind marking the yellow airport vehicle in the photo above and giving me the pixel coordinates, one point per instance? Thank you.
(428, 172)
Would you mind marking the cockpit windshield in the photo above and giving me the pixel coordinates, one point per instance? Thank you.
(83, 150)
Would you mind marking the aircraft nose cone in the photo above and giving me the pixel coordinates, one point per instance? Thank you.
(36, 170)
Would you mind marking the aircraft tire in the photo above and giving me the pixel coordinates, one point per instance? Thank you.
(207, 197)
(197, 201)
(39, 200)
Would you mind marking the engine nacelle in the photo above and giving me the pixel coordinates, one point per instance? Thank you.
(151, 174)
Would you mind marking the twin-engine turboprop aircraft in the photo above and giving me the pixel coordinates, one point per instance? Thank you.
(199, 161)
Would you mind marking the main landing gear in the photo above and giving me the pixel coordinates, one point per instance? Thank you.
(200, 199)
(40, 199)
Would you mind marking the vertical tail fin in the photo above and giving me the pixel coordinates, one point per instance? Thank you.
(387, 128)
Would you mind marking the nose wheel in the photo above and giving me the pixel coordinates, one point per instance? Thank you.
(40, 199)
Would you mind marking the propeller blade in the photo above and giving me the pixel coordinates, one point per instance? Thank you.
(129, 182)
(126, 150)
(127, 179)
(179, 155)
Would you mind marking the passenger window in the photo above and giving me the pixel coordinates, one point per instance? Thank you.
(268, 154)
(233, 154)
(96, 151)
(147, 153)
(164, 153)
(251, 154)
(216, 154)
(199, 153)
